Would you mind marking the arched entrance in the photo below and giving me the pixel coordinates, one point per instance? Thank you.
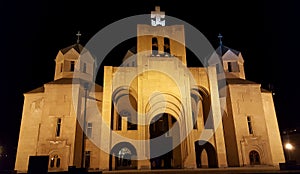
(254, 158)
(206, 155)
(123, 157)
(163, 140)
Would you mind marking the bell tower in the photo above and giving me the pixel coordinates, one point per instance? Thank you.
(159, 40)
(74, 62)
(232, 61)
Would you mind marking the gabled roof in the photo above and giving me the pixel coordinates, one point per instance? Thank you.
(37, 90)
(64, 81)
(221, 50)
(265, 90)
(133, 50)
(78, 47)
(239, 81)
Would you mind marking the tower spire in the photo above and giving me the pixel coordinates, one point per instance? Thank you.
(78, 37)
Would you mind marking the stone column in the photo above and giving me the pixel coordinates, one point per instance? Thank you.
(143, 149)
(217, 117)
(106, 118)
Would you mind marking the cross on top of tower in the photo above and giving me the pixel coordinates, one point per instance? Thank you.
(78, 36)
(157, 17)
(220, 38)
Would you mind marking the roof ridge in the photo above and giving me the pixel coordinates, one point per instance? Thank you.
(224, 49)
(77, 46)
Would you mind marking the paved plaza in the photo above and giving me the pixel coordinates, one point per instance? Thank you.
(244, 170)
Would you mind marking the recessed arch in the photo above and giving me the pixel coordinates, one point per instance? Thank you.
(254, 158)
(170, 102)
(167, 107)
(212, 160)
(55, 160)
(124, 100)
(123, 90)
(165, 143)
(123, 156)
(201, 94)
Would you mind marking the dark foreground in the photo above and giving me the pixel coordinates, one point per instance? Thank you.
(244, 170)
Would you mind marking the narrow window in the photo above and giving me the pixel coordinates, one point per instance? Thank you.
(84, 68)
(58, 127)
(218, 67)
(58, 162)
(52, 162)
(87, 160)
(154, 46)
(131, 124)
(119, 122)
(229, 66)
(167, 46)
(72, 68)
(249, 125)
(55, 161)
(194, 121)
(61, 67)
(89, 129)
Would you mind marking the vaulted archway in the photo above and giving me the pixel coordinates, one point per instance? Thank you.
(165, 148)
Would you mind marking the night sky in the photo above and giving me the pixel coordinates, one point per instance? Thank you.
(32, 32)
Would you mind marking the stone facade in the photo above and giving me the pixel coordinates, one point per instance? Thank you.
(153, 95)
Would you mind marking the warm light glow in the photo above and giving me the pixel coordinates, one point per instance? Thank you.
(289, 146)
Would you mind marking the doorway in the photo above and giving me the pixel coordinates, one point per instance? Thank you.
(165, 149)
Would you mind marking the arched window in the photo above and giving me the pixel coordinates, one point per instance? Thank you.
(154, 46)
(55, 161)
(124, 157)
(52, 162)
(167, 46)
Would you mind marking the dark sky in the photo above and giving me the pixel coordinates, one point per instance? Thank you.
(32, 32)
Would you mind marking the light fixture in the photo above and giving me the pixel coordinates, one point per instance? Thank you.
(289, 146)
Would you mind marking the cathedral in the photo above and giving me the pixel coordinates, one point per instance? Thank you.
(152, 112)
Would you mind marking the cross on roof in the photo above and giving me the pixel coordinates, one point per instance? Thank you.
(157, 17)
(78, 36)
(220, 38)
